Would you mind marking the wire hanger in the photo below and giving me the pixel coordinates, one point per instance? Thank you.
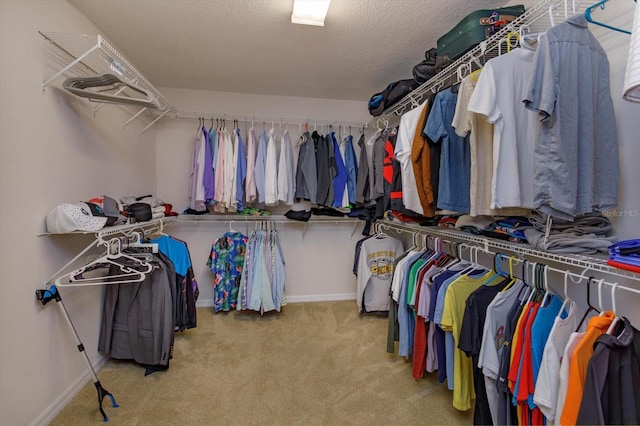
(601, 5)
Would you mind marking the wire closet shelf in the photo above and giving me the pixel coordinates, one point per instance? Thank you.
(593, 263)
(537, 18)
(85, 54)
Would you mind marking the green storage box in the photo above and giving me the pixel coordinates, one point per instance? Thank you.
(474, 29)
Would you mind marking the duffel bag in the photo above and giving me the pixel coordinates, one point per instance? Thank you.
(391, 95)
(475, 28)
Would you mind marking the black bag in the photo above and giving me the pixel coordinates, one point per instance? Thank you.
(427, 68)
(475, 28)
(391, 95)
(140, 211)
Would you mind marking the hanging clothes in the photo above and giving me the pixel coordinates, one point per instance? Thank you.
(260, 167)
(220, 173)
(250, 184)
(352, 170)
(187, 291)
(208, 178)
(306, 172)
(213, 141)
(286, 181)
(480, 133)
(241, 172)
(403, 147)
(326, 168)
(515, 127)
(421, 165)
(455, 161)
(341, 177)
(262, 282)
(581, 174)
(196, 187)
(138, 318)
(230, 161)
(271, 172)
(226, 261)
(363, 175)
(375, 271)
(613, 379)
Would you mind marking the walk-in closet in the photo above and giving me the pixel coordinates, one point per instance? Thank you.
(385, 212)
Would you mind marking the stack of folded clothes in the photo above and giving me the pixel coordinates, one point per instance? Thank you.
(585, 235)
(507, 228)
(625, 255)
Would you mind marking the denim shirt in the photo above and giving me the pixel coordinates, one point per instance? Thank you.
(576, 157)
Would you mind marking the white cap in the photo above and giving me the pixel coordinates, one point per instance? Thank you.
(73, 217)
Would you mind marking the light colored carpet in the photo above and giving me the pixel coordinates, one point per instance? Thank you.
(314, 363)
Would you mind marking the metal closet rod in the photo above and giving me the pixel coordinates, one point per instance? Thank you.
(194, 115)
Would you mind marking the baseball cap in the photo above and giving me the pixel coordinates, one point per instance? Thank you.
(110, 208)
(70, 217)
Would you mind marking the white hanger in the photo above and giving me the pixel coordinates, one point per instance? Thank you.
(138, 243)
(612, 326)
(231, 226)
(130, 275)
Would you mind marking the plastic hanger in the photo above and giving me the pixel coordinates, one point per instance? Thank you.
(613, 324)
(601, 5)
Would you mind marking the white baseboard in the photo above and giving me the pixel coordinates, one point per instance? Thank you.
(320, 297)
(207, 303)
(58, 405)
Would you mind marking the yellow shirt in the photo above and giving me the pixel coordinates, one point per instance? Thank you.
(454, 304)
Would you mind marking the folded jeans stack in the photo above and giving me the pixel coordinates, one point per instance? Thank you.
(585, 235)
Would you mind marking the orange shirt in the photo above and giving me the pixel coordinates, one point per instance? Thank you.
(421, 162)
(578, 366)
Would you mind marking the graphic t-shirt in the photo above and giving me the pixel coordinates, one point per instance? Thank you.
(375, 271)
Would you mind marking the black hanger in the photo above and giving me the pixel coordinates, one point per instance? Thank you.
(591, 307)
(211, 128)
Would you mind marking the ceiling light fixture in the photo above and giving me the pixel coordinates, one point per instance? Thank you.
(310, 12)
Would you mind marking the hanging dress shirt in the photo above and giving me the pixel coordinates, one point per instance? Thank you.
(230, 159)
(219, 176)
(340, 177)
(306, 172)
(286, 180)
(213, 141)
(271, 172)
(352, 169)
(197, 191)
(251, 191)
(259, 170)
(363, 184)
(208, 178)
(241, 172)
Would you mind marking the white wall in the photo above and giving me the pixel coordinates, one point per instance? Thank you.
(52, 150)
(318, 266)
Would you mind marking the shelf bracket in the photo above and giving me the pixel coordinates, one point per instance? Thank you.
(166, 111)
(71, 65)
(133, 117)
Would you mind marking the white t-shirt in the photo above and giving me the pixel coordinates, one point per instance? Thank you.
(402, 152)
(271, 172)
(481, 150)
(574, 340)
(548, 382)
(502, 86)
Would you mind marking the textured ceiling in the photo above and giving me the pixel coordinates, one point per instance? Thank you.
(250, 46)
